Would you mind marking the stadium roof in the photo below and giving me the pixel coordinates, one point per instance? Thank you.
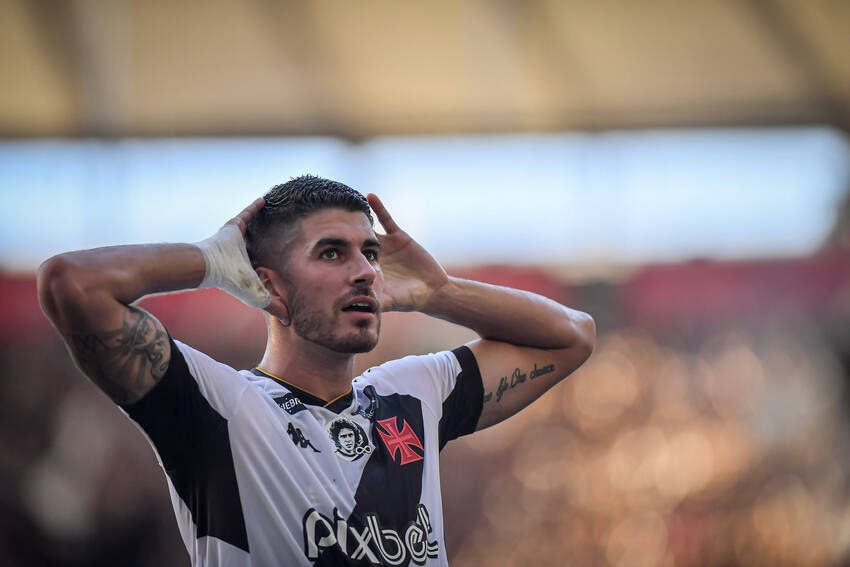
(363, 69)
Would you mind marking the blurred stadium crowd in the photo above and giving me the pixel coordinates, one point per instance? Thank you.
(709, 428)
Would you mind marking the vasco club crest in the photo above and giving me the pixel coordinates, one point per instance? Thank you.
(349, 439)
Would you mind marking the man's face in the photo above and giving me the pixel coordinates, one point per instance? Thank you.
(332, 265)
(346, 440)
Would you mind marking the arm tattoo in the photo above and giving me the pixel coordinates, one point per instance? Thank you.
(127, 362)
(516, 378)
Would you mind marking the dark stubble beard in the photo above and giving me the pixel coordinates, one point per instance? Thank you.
(310, 326)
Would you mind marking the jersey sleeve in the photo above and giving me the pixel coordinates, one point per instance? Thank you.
(448, 382)
(192, 382)
(185, 418)
(465, 401)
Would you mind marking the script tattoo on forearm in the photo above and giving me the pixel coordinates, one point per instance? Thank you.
(516, 378)
(125, 362)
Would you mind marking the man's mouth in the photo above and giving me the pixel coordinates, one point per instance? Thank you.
(361, 304)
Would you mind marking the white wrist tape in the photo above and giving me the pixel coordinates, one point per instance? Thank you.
(229, 268)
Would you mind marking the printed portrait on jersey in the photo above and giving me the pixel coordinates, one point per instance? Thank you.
(349, 439)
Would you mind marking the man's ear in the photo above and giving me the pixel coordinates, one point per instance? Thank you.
(279, 304)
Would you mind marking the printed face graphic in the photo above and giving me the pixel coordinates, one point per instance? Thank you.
(346, 441)
(349, 439)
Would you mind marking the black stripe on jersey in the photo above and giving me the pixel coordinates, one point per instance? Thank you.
(463, 407)
(389, 490)
(193, 442)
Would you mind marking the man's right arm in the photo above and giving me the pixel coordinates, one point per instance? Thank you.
(87, 295)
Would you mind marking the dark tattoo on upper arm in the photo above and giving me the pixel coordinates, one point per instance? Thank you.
(516, 378)
(127, 362)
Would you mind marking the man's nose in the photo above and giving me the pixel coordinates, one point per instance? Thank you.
(363, 272)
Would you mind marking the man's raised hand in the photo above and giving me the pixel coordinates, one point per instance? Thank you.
(229, 268)
(411, 274)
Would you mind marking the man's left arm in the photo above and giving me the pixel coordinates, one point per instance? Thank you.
(528, 342)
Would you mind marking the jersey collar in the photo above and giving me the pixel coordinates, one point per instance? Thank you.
(336, 405)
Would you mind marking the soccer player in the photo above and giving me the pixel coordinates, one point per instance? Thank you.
(298, 461)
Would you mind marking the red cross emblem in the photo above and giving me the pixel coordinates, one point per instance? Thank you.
(403, 441)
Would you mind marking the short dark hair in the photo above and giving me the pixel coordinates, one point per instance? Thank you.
(269, 232)
(339, 424)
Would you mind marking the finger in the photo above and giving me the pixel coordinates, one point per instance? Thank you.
(242, 219)
(278, 309)
(381, 212)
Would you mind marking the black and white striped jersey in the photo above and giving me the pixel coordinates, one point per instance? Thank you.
(263, 473)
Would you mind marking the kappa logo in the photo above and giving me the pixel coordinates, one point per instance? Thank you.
(349, 438)
(402, 442)
(299, 439)
(377, 545)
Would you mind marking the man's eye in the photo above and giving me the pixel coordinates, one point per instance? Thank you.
(371, 255)
(330, 254)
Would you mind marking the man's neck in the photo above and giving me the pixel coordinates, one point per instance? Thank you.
(311, 367)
